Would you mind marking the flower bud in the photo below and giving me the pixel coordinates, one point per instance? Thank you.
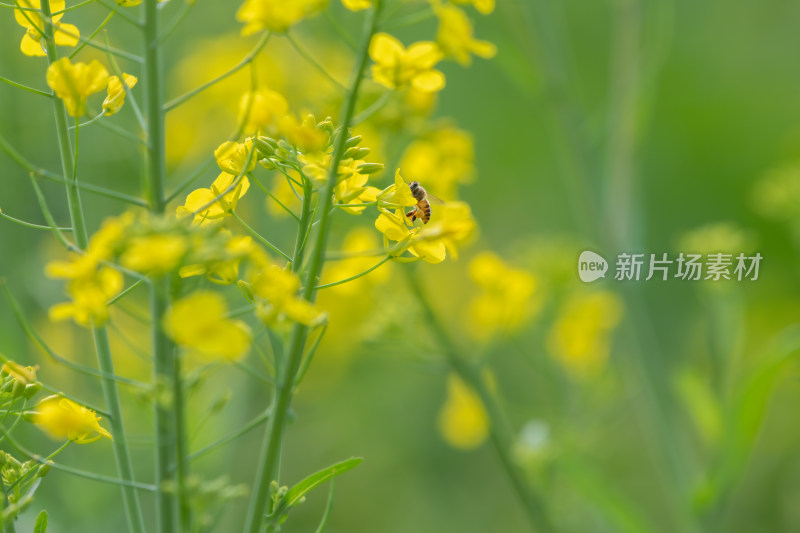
(31, 390)
(369, 168)
(355, 153)
(43, 470)
(266, 146)
(352, 141)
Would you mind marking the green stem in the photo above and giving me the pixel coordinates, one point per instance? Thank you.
(261, 239)
(359, 275)
(21, 86)
(30, 225)
(94, 33)
(269, 460)
(166, 367)
(313, 62)
(100, 334)
(502, 434)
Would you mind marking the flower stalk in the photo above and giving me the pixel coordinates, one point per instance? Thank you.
(100, 334)
(501, 433)
(166, 368)
(269, 460)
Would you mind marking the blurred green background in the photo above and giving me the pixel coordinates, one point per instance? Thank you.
(675, 120)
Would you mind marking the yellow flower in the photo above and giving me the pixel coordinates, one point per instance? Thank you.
(74, 83)
(581, 336)
(261, 109)
(397, 195)
(441, 161)
(116, 93)
(483, 6)
(508, 300)
(89, 288)
(277, 291)
(455, 36)
(463, 421)
(275, 15)
(223, 271)
(156, 254)
(357, 5)
(107, 239)
(353, 188)
(198, 322)
(450, 223)
(62, 418)
(397, 67)
(25, 375)
(307, 136)
(232, 157)
(33, 41)
(208, 205)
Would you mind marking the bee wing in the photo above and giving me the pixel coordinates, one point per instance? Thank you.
(435, 199)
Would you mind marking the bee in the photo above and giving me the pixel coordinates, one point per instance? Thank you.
(422, 210)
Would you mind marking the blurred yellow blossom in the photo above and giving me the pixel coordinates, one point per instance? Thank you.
(442, 160)
(116, 93)
(275, 15)
(89, 287)
(357, 5)
(154, 254)
(61, 418)
(509, 297)
(455, 36)
(25, 375)
(73, 83)
(483, 6)
(463, 421)
(30, 18)
(260, 110)
(580, 339)
(397, 67)
(716, 237)
(198, 322)
(207, 205)
(277, 289)
(223, 271)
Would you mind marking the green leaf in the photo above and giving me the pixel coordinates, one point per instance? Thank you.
(298, 492)
(41, 523)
